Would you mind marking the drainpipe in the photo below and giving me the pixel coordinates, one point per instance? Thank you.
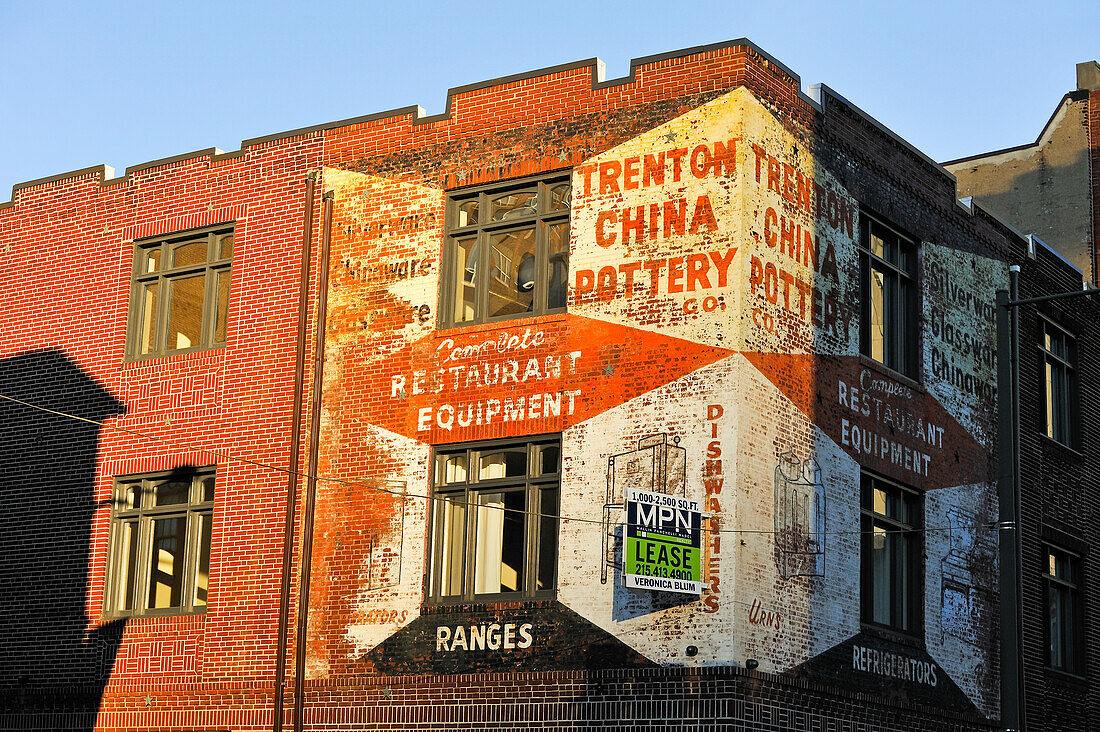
(1013, 711)
(311, 470)
(295, 441)
(1008, 385)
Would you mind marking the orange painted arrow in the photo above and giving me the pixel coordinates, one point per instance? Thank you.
(520, 378)
(887, 425)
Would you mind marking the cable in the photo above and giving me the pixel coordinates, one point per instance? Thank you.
(465, 504)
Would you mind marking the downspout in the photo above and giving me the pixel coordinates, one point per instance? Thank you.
(1012, 696)
(311, 470)
(294, 467)
(1017, 533)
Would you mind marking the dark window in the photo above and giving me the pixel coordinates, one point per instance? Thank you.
(179, 300)
(1059, 377)
(507, 251)
(494, 523)
(1063, 587)
(892, 547)
(888, 317)
(159, 558)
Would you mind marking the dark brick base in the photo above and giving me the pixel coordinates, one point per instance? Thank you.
(630, 699)
(621, 699)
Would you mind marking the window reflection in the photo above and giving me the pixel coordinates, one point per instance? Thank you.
(498, 561)
(160, 547)
(507, 255)
(512, 272)
(180, 293)
(889, 315)
(494, 527)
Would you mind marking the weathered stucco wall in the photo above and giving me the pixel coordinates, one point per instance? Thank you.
(1042, 189)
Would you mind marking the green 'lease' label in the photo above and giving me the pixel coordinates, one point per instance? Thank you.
(662, 547)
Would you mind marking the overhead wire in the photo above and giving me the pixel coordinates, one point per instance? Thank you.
(667, 620)
(379, 487)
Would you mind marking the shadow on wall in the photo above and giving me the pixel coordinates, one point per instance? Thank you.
(1051, 201)
(52, 672)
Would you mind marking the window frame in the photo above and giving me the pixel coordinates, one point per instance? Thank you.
(194, 512)
(1072, 632)
(534, 486)
(900, 346)
(1069, 412)
(913, 579)
(541, 221)
(165, 276)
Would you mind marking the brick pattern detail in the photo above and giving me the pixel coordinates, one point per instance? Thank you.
(157, 658)
(159, 393)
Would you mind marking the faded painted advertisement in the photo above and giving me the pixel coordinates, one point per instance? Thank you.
(709, 352)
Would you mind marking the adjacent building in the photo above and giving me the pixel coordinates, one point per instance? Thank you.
(1049, 189)
(585, 403)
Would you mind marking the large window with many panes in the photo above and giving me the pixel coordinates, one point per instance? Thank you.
(507, 251)
(889, 314)
(494, 520)
(179, 297)
(892, 555)
(1059, 357)
(159, 543)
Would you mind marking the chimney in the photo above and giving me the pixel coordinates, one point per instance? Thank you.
(1088, 76)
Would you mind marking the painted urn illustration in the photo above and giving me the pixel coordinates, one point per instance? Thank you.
(799, 517)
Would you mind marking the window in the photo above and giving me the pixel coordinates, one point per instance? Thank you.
(179, 300)
(889, 317)
(494, 523)
(507, 251)
(1059, 357)
(159, 558)
(1063, 582)
(892, 548)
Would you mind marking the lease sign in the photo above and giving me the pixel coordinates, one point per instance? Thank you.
(662, 543)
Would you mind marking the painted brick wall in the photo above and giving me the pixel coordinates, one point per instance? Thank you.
(393, 388)
(66, 260)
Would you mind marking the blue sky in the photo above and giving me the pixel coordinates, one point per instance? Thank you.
(122, 83)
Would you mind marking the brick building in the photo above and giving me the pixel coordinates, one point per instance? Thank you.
(695, 282)
(1050, 188)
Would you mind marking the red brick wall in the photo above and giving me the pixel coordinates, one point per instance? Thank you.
(1093, 137)
(66, 268)
(66, 263)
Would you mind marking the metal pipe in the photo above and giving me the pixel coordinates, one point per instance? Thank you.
(1012, 697)
(1014, 294)
(1059, 296)
(293, 467)
(311, 470)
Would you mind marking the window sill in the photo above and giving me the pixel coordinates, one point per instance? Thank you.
(165, 617)
(885, 370)
(176, 357)
(440, 607)
(1063, 675)
(893, 635)
(526, 320)
(1060, 446)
